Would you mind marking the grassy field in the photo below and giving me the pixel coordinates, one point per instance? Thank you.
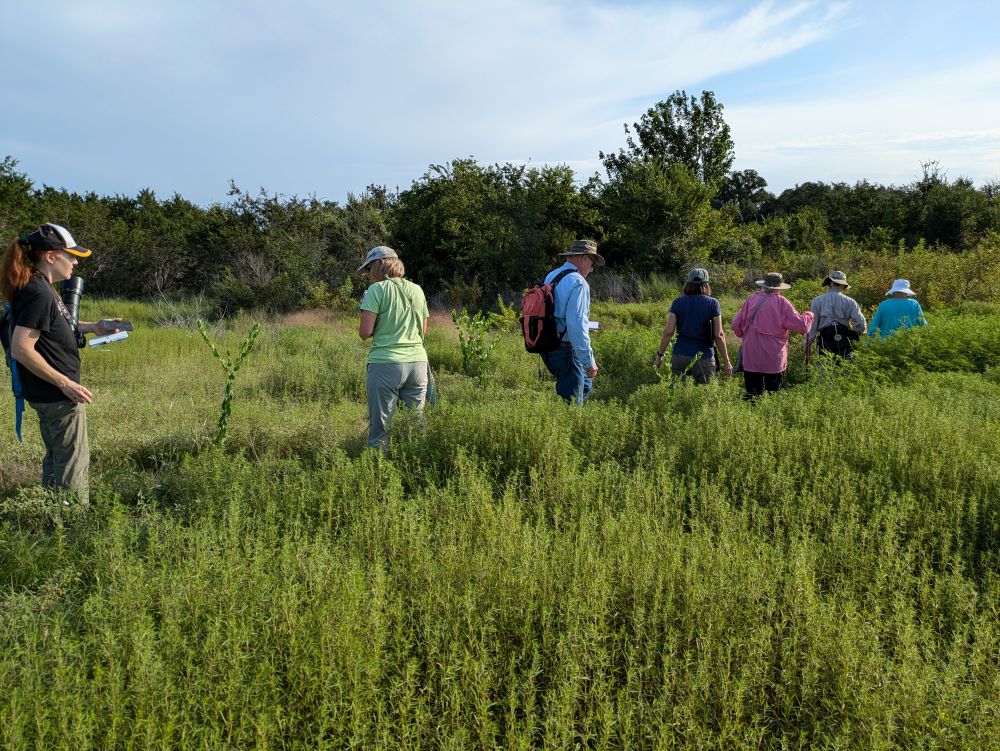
(667, 567)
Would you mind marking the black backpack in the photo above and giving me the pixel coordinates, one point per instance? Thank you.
(838, 339)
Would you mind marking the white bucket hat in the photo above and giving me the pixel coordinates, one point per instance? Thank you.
(901, 285)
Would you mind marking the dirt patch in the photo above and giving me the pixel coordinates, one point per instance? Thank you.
(19, 472)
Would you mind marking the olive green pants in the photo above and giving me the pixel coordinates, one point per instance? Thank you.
(67, 453)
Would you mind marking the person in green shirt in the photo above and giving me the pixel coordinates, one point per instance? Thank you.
(394, 316)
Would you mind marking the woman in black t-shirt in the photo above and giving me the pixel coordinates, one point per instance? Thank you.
(44, 345)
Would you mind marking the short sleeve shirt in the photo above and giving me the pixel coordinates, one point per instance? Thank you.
(401, 309)
(36, 306)
(694, 324)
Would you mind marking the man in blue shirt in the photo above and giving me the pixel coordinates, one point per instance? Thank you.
(573, 363)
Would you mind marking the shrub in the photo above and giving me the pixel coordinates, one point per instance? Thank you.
(955, 344)
(476, 346)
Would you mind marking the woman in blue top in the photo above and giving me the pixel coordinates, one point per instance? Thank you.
(696, 318)
(900, 311)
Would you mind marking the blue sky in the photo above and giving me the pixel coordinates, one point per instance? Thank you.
(318, 97)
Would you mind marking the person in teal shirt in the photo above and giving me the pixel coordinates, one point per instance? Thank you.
(900, 311)
(394, 316)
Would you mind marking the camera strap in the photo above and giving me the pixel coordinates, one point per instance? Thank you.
(81, 341)
(65, 311)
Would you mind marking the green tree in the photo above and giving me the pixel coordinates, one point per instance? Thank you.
(488, 229)
(17, 203)
(805, 194)
(684, 130)
(745, 190)
(796, 244)
(269, 251)
(658, 217)
(362, 223)
(951, 213)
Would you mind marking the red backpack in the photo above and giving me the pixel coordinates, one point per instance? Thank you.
(538, 321)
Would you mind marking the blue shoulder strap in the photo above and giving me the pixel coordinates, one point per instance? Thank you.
(15, 380)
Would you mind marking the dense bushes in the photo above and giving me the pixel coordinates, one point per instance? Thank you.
(469, 232)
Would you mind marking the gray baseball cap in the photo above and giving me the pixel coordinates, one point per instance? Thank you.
(377, 254)
(697, 276)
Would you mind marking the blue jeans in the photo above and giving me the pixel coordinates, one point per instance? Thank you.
(572, 383)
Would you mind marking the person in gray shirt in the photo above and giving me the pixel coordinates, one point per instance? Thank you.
(838, 320)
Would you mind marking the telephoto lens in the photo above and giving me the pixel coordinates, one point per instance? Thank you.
(72, 291)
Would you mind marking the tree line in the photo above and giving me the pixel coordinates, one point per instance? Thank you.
(668, 198)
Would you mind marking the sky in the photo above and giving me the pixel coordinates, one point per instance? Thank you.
(322, 98)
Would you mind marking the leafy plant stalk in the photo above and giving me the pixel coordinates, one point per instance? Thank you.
(477, 347)
(231, 367)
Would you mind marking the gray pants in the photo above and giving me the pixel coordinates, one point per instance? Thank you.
(387, 383)
(63, 426)
(701, 371)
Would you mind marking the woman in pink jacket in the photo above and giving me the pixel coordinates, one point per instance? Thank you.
(763, 324)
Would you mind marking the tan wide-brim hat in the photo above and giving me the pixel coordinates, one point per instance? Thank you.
(585, 248)
(773, 281)
(836, 277)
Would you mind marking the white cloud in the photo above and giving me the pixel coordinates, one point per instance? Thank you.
(882, 132)
(318, 96)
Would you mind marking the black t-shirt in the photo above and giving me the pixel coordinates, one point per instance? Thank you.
(36, 306)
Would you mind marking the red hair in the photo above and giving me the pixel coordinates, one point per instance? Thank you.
(18, 263)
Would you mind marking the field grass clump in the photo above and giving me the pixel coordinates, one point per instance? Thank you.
(306, 364)
(663, 567)
(968, 343)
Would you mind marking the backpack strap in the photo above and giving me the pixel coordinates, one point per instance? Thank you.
(18, 399)
(559, 277)
(555, 280)
(15, 379)
(755, 310)
(409, 303)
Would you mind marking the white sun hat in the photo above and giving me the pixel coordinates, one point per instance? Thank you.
(901, 285)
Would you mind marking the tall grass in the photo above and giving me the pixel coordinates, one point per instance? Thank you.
(656, 569)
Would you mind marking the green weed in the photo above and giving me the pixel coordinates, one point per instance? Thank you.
(656, 569)
(231, 366)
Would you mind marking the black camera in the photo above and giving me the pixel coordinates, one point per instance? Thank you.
(72, 291)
